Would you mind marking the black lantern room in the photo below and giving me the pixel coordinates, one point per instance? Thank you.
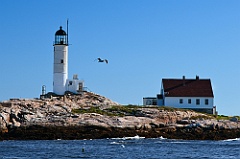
(61, 37)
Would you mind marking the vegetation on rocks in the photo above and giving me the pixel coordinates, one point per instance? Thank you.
(171, 109)
(123, 110)
(201, 117)
(92, 110)
(224, 117)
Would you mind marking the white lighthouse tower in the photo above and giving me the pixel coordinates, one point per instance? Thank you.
(61, 83)
(60, 68)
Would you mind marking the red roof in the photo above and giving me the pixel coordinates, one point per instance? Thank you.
(187, 87)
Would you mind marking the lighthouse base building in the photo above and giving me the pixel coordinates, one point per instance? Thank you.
(74, 85)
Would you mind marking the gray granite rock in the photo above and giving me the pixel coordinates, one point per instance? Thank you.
(57, 111)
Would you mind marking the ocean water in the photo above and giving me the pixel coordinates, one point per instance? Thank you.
(125, 148)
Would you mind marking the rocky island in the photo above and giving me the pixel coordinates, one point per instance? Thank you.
(91, 116)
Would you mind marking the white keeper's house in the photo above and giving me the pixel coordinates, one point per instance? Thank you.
(195, 94)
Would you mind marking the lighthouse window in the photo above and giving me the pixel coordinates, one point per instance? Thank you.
(62, 61)
(61, 41)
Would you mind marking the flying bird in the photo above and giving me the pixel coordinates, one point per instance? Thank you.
(102, 60)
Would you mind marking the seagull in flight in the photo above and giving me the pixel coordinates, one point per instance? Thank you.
(102, 60)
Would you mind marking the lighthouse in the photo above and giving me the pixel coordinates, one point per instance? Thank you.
(60, 68)
(61, 83)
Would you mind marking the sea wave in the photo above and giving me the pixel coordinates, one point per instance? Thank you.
(129, 138)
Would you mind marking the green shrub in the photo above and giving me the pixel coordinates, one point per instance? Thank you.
(224, 117)
(123, 110)
(90, 110)
(94, 110)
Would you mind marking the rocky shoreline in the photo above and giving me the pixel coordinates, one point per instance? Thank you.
(91, 116)
(94, 132)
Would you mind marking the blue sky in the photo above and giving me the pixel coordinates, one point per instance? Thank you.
(143, 40)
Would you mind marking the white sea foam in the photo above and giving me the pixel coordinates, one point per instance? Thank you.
(236, 139)
(133, 138)
(114, 142)
(129, 138)
(162, 138)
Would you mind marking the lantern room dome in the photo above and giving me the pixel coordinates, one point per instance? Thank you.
(60, 32)
(61, 37)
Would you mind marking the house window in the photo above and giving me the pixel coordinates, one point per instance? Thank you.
(62, 61)
(70, 83)
(206, 101)
(189, 101)
(181, 101)
(197, 101)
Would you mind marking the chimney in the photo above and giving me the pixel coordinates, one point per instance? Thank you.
(75, 77)
(197, 78)
(183, 80)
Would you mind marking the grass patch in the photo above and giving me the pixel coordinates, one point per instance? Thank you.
(171, 109)
(92, 110)
(135, 110)
(201, 117)
(224, 117)
(123, 110)
(129, 110)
